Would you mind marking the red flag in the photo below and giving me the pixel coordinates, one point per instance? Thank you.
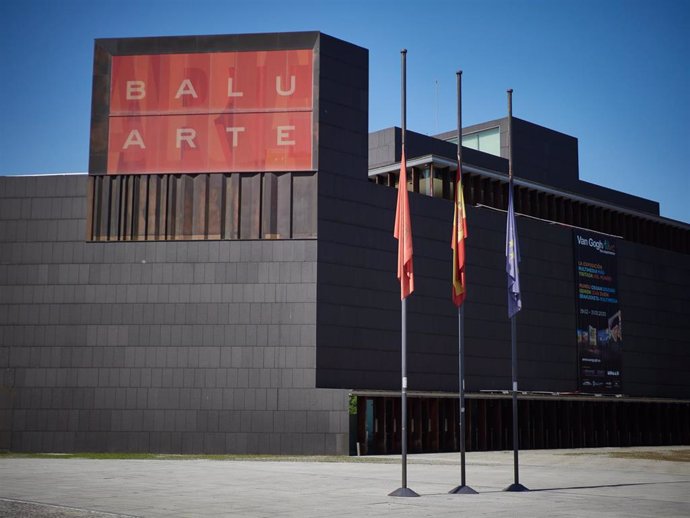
(458, 243)
(403, 233)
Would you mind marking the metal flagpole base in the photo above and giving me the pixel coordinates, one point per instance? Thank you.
(462, 490)
(403, 491)
(516, 488)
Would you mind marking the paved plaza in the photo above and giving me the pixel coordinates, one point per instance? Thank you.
(562, 483)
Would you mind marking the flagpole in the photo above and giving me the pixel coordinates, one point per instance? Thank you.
(403, 490)
(462, 488)
(515, 486)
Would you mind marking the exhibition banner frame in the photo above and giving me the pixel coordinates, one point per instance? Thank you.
(599, 320)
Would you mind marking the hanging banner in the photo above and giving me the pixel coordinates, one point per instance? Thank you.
(599, 322)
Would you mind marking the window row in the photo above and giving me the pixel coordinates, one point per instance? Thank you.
(481, 190)
(202, 206)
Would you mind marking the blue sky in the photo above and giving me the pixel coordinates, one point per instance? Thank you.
(612, 73)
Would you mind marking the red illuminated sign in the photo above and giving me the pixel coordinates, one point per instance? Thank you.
(217, 112)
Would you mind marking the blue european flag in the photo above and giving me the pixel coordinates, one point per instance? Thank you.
(512, 258)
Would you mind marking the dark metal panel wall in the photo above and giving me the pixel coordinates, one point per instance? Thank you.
(178, 346)
(359, 338)
(654, 288)
(359, 316)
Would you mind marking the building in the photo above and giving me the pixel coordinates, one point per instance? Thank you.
(223, 280)
(563, 405)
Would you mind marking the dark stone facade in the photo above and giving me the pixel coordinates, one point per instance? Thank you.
(253, 346)
(177, 346)
(162, 346)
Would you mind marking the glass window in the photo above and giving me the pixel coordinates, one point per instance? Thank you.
(440, 176)
(250, 203)
(153, 210)
(471, 141)
(170, 206)
(140, 207)
(183, 206)
(215, 205)
(424, 179)
(410, 174)
(275, 218)
(198, 210)
(304, 205)
(488, 141)
(231, 208)
(128, 215)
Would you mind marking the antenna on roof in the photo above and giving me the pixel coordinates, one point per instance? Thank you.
(436, 109)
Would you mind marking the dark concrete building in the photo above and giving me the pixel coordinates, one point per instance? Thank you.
(246, 310)
(559, 408)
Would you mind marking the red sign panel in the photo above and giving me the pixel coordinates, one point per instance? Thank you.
(225, 142)
(217, 112)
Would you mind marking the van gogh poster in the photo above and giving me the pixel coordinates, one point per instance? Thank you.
(599, 321)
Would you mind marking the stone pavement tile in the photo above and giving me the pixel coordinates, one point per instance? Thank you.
(13, 509)
(563, 484)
